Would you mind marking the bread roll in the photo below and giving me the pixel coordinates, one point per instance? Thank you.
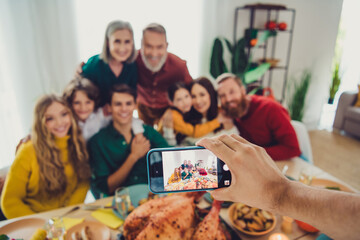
(86, 233)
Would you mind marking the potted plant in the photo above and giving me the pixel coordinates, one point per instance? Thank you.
(335, 83)
(241, 64)
(296, 104)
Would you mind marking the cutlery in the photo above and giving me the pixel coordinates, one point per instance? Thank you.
(70, 211)
(95, 207)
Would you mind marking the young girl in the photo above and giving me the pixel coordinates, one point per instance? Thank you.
(82, 96)
(51, 170)
(205, 109)
(175, 129)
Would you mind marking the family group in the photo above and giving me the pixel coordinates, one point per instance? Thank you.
(88, 137)
(189, 176)
(186, 171)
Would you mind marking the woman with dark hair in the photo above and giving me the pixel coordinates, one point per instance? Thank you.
(205, 109)
(173, 126)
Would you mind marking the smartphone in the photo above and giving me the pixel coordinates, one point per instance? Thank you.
(185, 169)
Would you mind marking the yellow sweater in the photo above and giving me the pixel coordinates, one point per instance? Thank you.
(21, 194)
(172, 179)
(199, 130)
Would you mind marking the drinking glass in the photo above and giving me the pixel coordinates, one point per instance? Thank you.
(306, 176)
(122, 201)
(55, 227)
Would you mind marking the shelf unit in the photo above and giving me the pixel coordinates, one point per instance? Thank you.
(269, 11)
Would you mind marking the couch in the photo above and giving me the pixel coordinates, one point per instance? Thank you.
(347, 116)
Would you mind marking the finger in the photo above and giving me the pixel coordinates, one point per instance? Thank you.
(217, 147)
(241, 139)
(230, 141)
(221, 194)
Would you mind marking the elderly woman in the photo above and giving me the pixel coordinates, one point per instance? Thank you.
(115, 63)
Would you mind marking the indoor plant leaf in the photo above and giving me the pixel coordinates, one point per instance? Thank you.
(256, 74)
(217, 64)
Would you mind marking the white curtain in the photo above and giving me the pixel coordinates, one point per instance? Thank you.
(38, 55)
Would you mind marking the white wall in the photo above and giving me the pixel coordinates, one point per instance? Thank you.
(180, 19)
(315, 31)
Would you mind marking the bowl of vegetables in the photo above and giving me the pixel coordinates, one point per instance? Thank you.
(250, 220)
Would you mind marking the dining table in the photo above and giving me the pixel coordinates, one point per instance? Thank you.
(293, 169)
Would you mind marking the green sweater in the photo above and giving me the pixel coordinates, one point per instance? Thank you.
(108, 151)
(99, 72)
(183, 174)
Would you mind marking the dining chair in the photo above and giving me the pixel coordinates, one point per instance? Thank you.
(304, 140)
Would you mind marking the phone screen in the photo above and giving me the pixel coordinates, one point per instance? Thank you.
(186, 169)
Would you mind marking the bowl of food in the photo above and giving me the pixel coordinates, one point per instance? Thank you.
(250, 220)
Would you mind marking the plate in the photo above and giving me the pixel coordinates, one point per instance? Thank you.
(23, 228)
(136, 192)
(99, 230)
(208, 198)
(323, 183)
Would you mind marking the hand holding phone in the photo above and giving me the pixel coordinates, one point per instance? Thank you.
(185, 169)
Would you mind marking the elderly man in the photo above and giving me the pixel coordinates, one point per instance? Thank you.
(157, 70)
(260, 120)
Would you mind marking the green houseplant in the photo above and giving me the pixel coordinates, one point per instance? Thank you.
(335, 83)
(296, 104)
(241, 64)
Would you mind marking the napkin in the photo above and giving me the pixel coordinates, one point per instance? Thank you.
(70, 222)
(107, 217)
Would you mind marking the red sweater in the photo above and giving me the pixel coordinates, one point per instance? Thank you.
(267, 124)
(152, 87)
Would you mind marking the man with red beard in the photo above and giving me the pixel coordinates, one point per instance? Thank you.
(260, 120)
(157, 70)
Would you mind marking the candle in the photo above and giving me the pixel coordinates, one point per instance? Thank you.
(286, 225)
(278, 236)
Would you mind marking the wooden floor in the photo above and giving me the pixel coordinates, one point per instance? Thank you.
(338, 155)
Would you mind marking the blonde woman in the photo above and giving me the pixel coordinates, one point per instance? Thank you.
(51, 170)
(176, 176)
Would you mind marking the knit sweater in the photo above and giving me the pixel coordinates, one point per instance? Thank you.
(268, 125)
(22, 194)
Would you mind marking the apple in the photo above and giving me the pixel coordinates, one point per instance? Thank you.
(253, 42)
(271, 25)
(282, 26)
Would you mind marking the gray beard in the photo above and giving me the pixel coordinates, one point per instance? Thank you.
(149, 66)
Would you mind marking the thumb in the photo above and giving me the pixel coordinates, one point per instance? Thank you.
(220, 194)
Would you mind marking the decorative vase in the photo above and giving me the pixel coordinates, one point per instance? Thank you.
(330, 101)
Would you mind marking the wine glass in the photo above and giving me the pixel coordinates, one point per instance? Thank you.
(122, 201)
(306, 176)
(55, 227)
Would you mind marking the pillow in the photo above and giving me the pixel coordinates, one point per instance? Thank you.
(357, 104)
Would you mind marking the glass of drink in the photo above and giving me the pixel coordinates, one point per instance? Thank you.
(55, 227)
(306, 176)
(122, 201)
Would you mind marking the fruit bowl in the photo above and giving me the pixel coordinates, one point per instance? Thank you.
(251, 221)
